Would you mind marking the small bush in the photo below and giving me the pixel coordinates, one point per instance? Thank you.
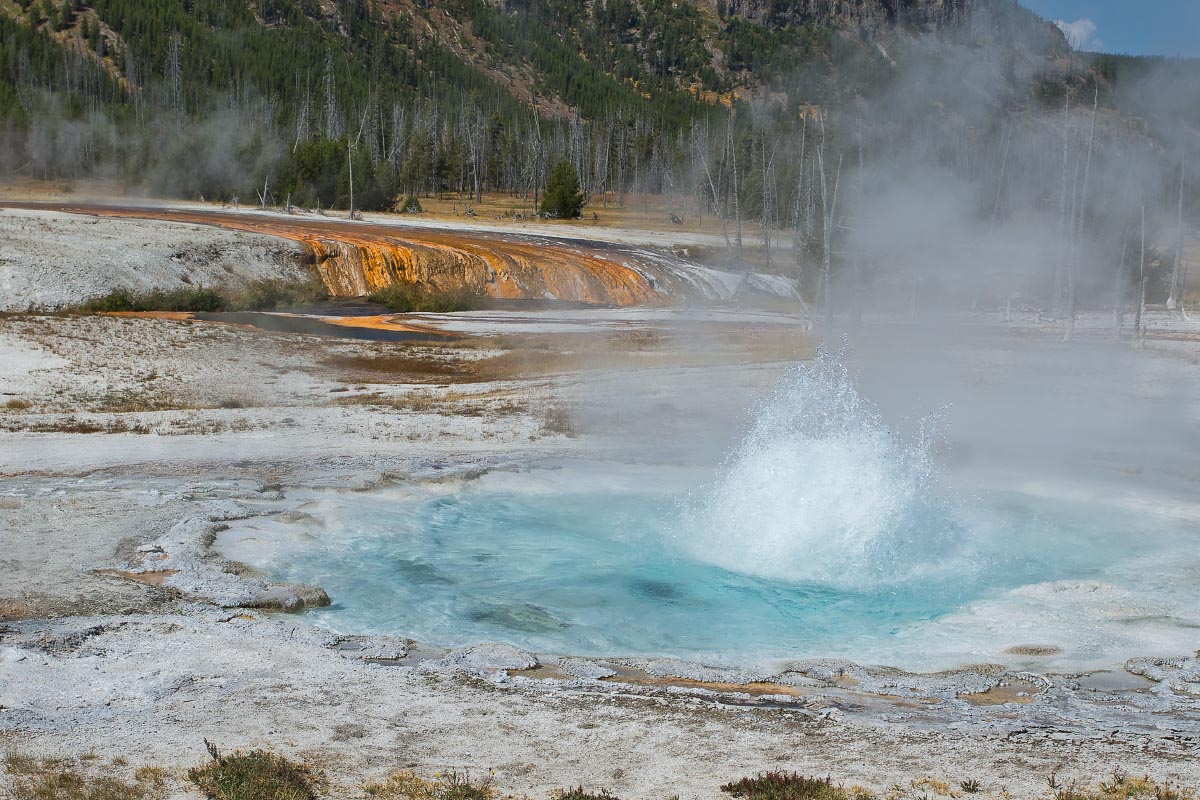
(407, 785)
(270, 294)
(578, 793)
(785, 786)
(404, 298)
(114, 301)
(411, 205)
(254, 775)
(17, 404)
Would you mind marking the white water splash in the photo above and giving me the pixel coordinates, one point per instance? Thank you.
(821, 491)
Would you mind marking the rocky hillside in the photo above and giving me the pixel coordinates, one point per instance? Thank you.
(559, 56)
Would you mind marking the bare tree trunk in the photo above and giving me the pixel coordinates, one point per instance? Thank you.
(1077, 237)
(1063, 228)
(737, 205)
(700, 145)
(797, 212)
(995, 218)
(1174, 299)
(350, 163)
(1119, 288)
(828, 212)
(1141, 296)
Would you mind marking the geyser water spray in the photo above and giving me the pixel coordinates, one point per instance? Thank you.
(820, 490)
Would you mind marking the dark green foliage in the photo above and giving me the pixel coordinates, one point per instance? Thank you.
(254, 775)
(411, 205)
(771, 52)
(261, 295)
(563, 199)
(188, 299)
(784, 786)
(270, 294)
(404, 298)
(318, 173)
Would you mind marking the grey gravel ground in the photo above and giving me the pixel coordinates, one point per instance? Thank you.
(125, 634)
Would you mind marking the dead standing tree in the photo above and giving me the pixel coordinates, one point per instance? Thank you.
(700, 145)
(1141, 295)
(173, 74)
(1064, 229)
(333, 120)
(1175, 298)
(828, 210)
(1077, 230)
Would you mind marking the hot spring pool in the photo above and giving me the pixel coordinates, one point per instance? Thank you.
(823, 535)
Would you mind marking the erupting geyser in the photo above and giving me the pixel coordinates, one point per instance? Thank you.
(820, 490)
(825, 533)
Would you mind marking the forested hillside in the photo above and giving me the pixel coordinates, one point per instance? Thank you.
(818, 118)
(447, 93)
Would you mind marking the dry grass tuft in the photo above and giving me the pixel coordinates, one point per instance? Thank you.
(17, 404)
(407, 785)
(14, 609)
(1121, 786)
(557, 421)
(82, 778)
(408, 367)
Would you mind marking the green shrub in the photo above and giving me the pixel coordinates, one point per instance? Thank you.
(116, 300)
(411, 205)
(785, 786)
(184, 299)
(270, 294)
(262, 295)
(254, 775)
(408, 297)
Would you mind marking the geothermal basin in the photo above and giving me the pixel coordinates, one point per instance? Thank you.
(991, 500)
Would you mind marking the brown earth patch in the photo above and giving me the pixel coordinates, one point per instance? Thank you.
(1034, 650)
(11, 610)
(1018, 691)
(154, 577)
(639, 677)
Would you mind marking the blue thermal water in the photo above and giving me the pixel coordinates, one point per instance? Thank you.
(596, 572)
(823, 534)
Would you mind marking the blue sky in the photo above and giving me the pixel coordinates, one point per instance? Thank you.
(1141, 27)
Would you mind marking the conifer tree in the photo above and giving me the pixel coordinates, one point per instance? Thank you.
(562, 199)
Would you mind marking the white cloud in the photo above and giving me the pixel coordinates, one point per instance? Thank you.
(1081, 33)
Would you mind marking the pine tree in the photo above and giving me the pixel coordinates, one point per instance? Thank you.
(562, 199)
